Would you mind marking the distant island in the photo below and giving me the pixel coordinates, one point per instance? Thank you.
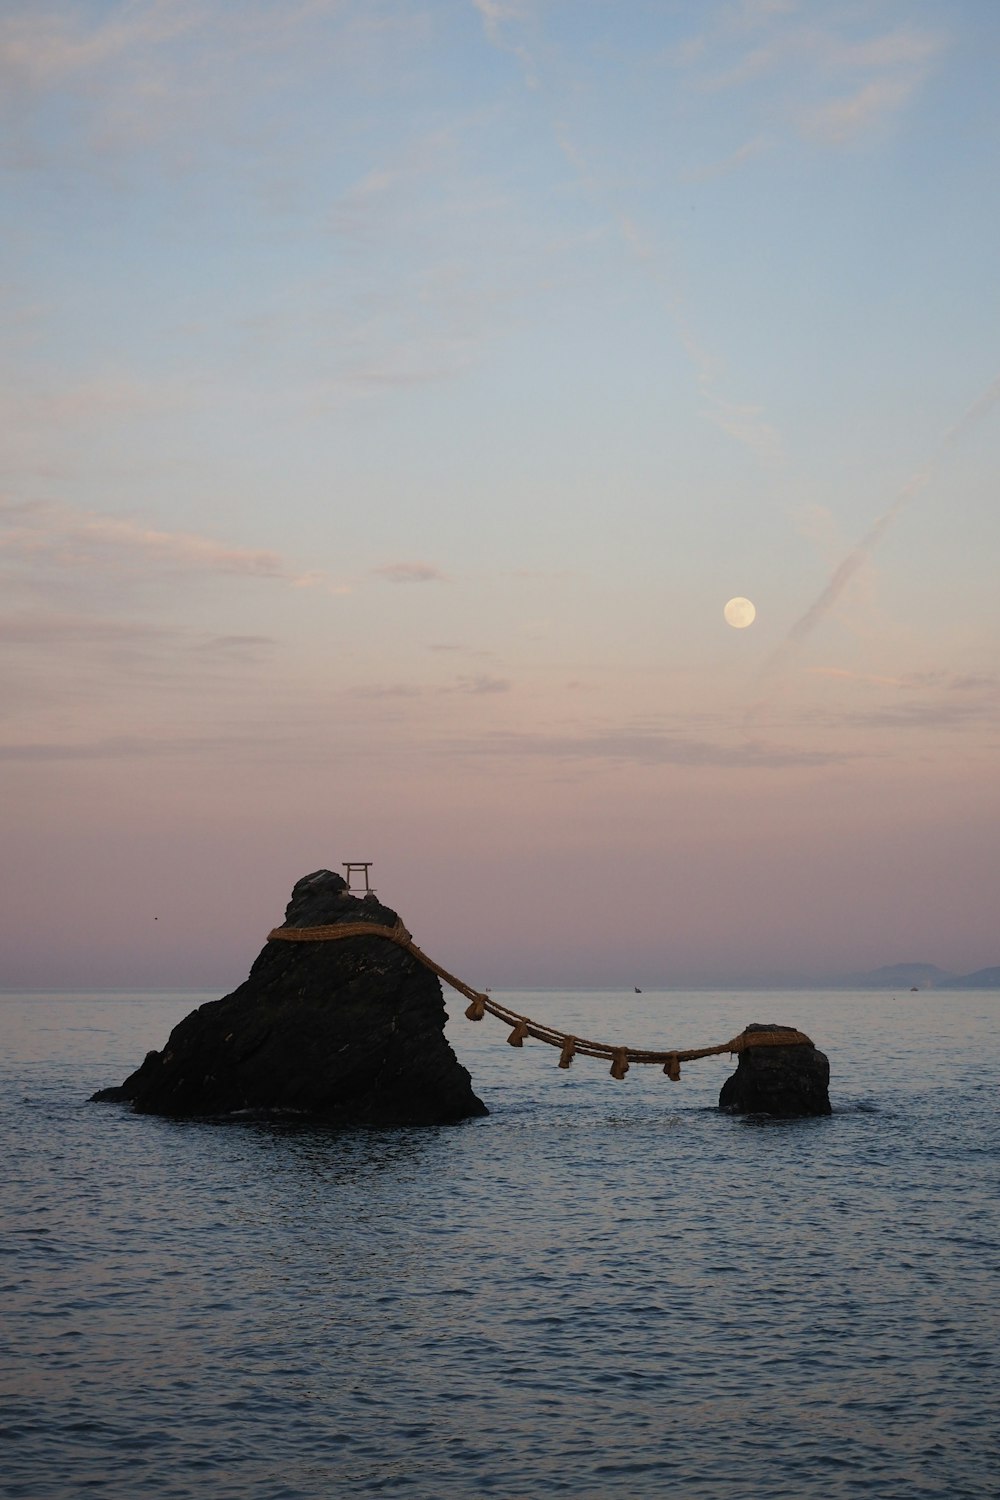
(898, 978)
(922, 976)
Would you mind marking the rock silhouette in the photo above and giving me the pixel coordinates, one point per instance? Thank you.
(784, 1081)
(349, 1031)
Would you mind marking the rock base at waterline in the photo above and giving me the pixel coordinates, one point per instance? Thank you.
(787, 1081)
(349, 1031)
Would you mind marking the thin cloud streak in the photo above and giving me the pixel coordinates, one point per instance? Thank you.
(85, 540)
(35, 628)
(185, 548)
(169, 76)
(643, 748)
(114, 748)
(936, 714)
(804, 58)
(494, 14)
(757, 146)
(221, 747)
(483, 683)
(239, 646)
(913, 681)
(827, 600)
(410, 572)
(39, 50)
(839, 120)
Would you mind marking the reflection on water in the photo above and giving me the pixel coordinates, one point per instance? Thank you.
(602, 1289)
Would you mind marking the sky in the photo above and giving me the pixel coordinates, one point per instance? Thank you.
(394, 392)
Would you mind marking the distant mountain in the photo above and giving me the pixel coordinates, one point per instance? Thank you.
(899, 977)
(982, 979)
(923, 976)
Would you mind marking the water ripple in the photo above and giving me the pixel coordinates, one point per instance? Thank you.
(602, 1290)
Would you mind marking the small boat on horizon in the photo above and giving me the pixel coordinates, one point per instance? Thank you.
(637, 989)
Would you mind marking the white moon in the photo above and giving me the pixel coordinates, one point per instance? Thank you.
(739, 613)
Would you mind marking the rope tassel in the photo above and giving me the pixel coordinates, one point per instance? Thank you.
(568, 1052)
(517, 1036)
(620, 1065)
(476, 1010)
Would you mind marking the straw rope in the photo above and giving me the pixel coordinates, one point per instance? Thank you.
(523, 1027)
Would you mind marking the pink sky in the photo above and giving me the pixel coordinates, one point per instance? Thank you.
(392, 398)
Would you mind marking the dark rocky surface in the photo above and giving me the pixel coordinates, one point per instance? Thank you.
(350, 1031)
(784, 1081)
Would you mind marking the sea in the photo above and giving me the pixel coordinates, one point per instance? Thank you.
(604, 1289)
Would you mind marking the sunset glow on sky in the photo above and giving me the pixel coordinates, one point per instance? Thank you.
(395, 391)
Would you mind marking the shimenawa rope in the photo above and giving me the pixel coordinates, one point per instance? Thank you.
(523, 1027)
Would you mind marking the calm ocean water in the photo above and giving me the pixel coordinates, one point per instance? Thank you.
(604, 1289)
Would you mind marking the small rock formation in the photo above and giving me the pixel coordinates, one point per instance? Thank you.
(784, 1081)
(349, 1031)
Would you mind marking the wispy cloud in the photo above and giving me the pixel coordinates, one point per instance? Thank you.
(397, 187)
(475, 685)
(937, 679)
(387, 690)
(865, 679)
(73, 640)
(825, 77)
(410, 572)
(838, 120)
(167, 73)
(393, 365)
(67, 672)
(40, 48)
(483, 683)
(236, 647)
(103, 395)
(904, 47)
(71, 631)
(184, 548)
(496, 16)
(149, 746)
(642, 747)
(57, 533)
(934, 711)
(747, 14)
(115, 748)
(746, 424)
(496, 12)
(757, 146)
(50, 46)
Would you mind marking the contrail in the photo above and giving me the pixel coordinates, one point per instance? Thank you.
(818, 611)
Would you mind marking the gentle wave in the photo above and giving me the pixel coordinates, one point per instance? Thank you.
(604, 1289)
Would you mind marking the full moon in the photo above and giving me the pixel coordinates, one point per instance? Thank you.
(739, 613)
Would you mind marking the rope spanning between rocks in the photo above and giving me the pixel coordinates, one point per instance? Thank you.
(523, 1027)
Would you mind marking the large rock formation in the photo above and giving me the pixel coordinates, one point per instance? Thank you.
(777, 1080)
(350, 1031)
